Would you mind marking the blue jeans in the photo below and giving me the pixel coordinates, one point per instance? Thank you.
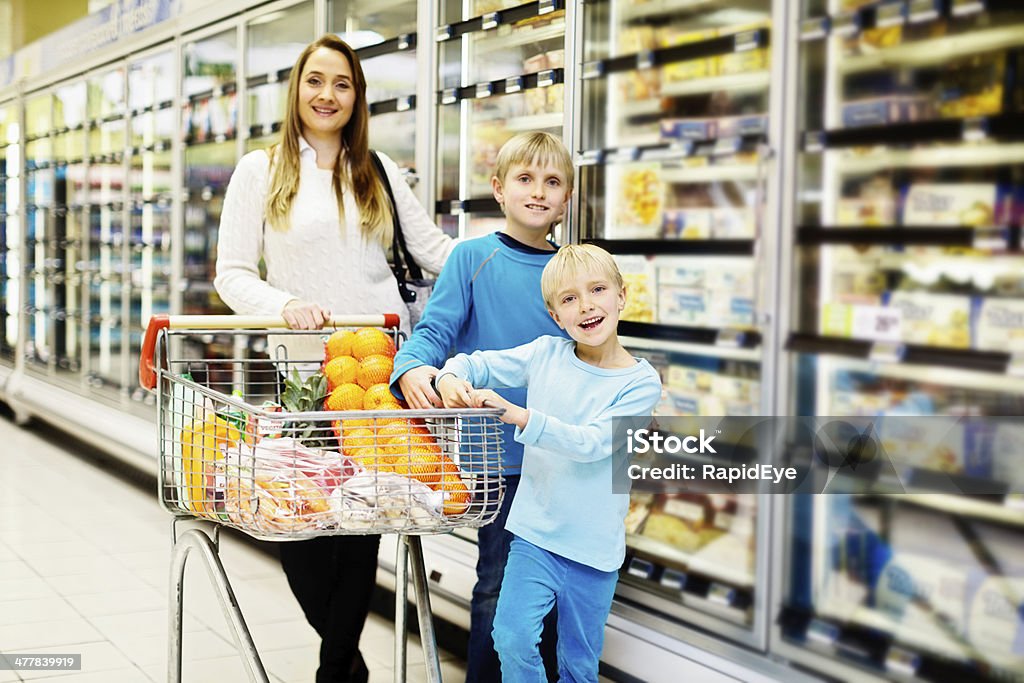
(482, 665)
(536, 579)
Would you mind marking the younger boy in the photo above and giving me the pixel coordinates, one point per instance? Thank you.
(569, 536)
(488, 297)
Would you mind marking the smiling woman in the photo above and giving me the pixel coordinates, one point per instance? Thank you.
(314, 209)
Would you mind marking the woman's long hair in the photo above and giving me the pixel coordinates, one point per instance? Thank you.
(353, 161)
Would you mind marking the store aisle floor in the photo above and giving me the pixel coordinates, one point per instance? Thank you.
(84, 566)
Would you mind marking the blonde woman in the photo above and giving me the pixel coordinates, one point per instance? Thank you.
(313, 208)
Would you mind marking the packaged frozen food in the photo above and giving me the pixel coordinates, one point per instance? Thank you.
(748, 124)
(878, 111)
(999, 325)
(675, 72)
(639, 192)
(639, 507)
(689, 129)
(732, 223)
(640, 277)
(933, 319)
(865, 212)
(686, 306)
(970, 204)
(686, 224)
(972, 86)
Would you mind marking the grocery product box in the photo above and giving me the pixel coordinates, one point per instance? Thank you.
(972, 86)
(878, 111)
(971, 204)
(861, 321)
(670, 36)
(636, 193)
(999, 325)
(682, 306)
(686, 224)
(732, 223)
(866, 211)
(933, 319)
(640, 277)
(689, 129)
(681, 272)
(691, 379)
(676, 402)
(748, 124)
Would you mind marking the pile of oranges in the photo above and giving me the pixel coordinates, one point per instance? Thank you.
(358, 366)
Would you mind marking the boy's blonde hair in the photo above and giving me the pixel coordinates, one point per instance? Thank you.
(571, 260)
(543, 149)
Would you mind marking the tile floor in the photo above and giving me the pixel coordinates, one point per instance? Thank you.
(84, 565)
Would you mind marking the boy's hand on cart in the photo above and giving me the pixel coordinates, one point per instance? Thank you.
(303, 315)
(417, 387)
(455, 392)
(513, 415)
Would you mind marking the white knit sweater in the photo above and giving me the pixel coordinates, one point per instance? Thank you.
(314, 259)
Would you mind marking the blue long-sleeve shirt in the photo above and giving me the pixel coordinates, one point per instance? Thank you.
(565, 502)
(486, 297)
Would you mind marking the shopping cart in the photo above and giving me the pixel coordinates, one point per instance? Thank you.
(232, 454)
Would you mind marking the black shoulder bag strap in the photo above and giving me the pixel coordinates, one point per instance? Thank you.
(398, 247)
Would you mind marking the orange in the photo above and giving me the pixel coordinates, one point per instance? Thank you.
(341, 370)
(339, 344)
(375, 369)
(379, 397)
(422, 463)
(345, 397)
(356, 441)
(369, 341)
(371, 459)
(456, 496)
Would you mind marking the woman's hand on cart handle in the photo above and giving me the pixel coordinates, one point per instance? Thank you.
(417, 387)
(303, 315)
(455, 392)
(513, 415)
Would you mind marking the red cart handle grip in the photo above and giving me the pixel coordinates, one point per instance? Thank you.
(147, 371)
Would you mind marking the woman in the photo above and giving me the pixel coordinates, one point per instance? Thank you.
(313, 208)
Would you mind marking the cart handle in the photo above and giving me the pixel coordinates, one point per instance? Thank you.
(147, 373)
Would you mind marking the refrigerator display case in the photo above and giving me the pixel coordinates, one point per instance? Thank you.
(10, 231)
(40, 206)
(501, 68)
(150, 195)
(106, 365)
(908, 283)
(673, 162)
(384, 35)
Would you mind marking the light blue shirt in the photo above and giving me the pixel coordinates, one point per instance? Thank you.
(565, 503)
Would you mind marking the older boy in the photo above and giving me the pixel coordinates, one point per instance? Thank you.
(568, 527)
(488, 297)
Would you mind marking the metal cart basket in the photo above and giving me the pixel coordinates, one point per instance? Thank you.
(232, 454)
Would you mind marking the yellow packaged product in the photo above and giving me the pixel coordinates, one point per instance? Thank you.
(671, 36)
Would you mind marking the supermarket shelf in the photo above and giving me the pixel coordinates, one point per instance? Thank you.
(401, 43)
(936, 156)
(712, 47)
(946, 376)
(708, 337)
(219, 91)
(638, 107)
(1000, 127)
(454, 207)
(708, 174)
(912, 354)
(682, 247)
(718, 572)
(398, 104)
(503, 86)
(751, 355)
(999, 238)
(493, 20)
(486, 43)
(744, 81)
(856, 633)
(934, 51)
(975, 508)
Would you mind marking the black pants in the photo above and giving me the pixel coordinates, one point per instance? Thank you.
(333, 578)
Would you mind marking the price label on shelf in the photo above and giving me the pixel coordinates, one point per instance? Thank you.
(878, 323)
(919, 11)
(670, 578)
(891, 14)
(822, 633)
(886, 352)
(814, 29)
(845, 24)
(721, 594)
(964, 8)
(901, 661)
(1015, 366)
(640, 568)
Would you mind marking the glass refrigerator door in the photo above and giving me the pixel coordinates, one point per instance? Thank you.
(500, 74)
(675, 117)
(151, 131)
(909, 301)
(106, 367)
(209, 90)
(275, 41)
(384, 36)
(69, 117)
(40, 204)
(10, 231)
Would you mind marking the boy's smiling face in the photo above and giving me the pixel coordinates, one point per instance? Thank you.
(588, 307)
(534, 196)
